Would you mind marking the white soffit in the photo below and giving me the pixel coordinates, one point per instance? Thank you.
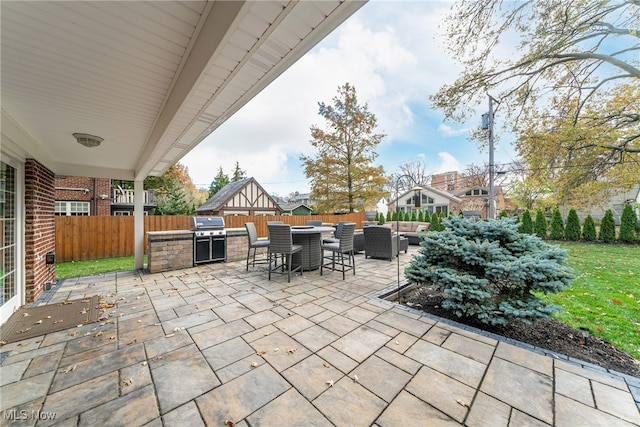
(153, 78)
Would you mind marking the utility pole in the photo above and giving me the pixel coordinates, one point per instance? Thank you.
(487, 123)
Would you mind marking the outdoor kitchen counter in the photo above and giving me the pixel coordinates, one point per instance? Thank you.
(169, 250)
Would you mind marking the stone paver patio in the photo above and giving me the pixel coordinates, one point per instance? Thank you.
(214, 343)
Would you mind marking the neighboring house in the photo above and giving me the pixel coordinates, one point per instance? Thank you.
(82, 196)
(476, 199)
(448, 181)
(295, 208)
(383, 206)
(431, 200)
(244, 197)
(85, 196)
(302, 198)
(122, 201)
(616, 203)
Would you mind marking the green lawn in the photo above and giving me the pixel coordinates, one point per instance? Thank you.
(65, 270)
(605, 296)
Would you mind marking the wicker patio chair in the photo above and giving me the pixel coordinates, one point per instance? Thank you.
(338, 251)
(255, 243)
(282, 245)
(380, 242)
(336, 234)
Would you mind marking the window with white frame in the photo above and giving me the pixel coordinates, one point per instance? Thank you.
(72, 208)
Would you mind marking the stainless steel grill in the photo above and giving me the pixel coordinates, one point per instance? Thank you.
(209, 239)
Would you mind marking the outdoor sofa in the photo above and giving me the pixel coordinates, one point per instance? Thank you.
(410, 229)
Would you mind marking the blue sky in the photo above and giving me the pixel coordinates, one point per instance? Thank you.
(394, 56)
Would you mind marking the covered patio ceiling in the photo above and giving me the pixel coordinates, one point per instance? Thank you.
(151, 78)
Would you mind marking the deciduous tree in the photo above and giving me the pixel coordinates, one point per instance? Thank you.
(569, 85)
(342, 173)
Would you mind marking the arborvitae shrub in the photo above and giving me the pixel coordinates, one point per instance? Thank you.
(389, 216)
(540, 226)
(628, 225)
(557, 225)
(427, 216)
(526, 225)
(607, 228)
(435, 222)
(490, 271)
(414, 216)
(589, 229)
(572, 230)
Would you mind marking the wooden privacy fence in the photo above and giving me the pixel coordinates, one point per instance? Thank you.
(80, 238)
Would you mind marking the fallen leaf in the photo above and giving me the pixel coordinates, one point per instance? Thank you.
(38, 322)
(229, 423)
(73, 334)
(98, 334)
(254, 365)
(25, 315)
(112, 338)
(3, 342)
(461, 403)
(65, 302)
(23, 330)
(326, 365)
(291, 350)
(58, 321)
(261, 352)
(127, 382)
(355, 378)
(170, 335)
(68, 369)
(330, 382)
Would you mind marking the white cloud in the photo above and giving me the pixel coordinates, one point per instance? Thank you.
(447, 163)
(387, 52)
(449, 131)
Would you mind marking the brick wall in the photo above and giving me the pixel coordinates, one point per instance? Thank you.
(39, 227)
(69, 188)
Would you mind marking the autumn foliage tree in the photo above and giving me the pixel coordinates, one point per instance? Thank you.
(569, 86)
(342, 173)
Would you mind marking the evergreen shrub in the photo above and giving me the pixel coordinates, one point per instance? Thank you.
(628, 225)
(589, 229)
(489, 271)
(540, 226)
(607, 228)
(572, 230)
(557, 225)
(526, 225)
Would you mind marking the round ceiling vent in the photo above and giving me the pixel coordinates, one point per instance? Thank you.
(88, 140)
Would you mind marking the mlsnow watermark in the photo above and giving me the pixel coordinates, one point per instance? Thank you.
(16, 415)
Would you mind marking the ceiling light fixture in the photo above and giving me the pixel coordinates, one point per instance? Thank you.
(88, 140)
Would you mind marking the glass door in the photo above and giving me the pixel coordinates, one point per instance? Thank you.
(8, 236)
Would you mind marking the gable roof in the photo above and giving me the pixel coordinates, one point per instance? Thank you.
(220, 199)
(293, 205)
(428, 189)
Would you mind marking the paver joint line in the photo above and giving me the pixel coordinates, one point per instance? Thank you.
(192, 340)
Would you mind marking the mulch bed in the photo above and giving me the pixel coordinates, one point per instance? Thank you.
(29, 322)
(548, 334)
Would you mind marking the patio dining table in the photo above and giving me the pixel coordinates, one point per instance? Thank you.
(310, 237)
